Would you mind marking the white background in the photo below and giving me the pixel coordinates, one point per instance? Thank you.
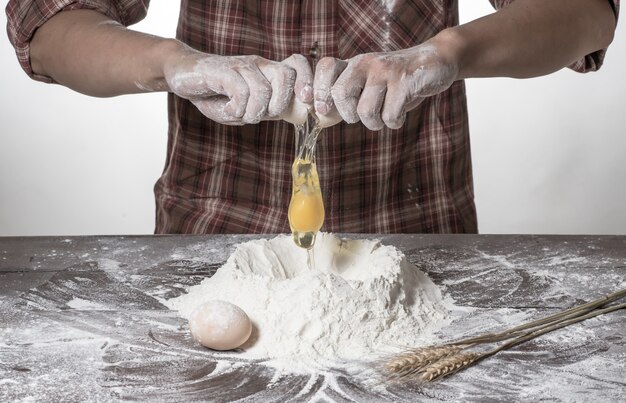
(548, 152)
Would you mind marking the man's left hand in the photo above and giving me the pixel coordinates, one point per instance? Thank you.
(380, 88)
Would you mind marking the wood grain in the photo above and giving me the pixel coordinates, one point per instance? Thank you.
(81, 319)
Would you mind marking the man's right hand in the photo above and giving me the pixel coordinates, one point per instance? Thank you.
(236, 90)
(90, 53)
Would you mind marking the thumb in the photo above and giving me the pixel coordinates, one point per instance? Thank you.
(303, 87)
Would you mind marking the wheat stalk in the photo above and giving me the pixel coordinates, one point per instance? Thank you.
(554, 326)
(427, 364)
(563, 315)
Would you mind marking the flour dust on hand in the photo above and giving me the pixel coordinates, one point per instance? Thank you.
(232, 90)
(378, 89)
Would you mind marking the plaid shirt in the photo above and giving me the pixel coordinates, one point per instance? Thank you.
(238, 179)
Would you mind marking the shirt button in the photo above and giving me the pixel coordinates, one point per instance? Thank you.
(314, 51)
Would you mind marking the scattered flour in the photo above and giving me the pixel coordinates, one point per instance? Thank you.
(362, 299)
(79, 303)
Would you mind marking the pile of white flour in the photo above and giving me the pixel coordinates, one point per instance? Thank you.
(362, 299)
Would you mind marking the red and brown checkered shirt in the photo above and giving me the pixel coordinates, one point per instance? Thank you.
(238, 179)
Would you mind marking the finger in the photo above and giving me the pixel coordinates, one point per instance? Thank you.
(303, 87)
(236, 89)
(260, 93)
(281, 78)
(395, 106)
(346, 93)
(370, 105)
(327, 71)
(216, 108)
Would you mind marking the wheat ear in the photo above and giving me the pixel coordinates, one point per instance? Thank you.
(448, 366)
(430, 363)
(411, 362)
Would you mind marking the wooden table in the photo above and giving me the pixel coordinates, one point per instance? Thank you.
(80, 320)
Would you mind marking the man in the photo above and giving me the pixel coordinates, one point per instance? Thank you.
(236, 68)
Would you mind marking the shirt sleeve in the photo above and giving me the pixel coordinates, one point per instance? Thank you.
(592, 61)
(25, 16)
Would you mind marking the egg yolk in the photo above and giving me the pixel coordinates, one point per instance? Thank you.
(306, 211)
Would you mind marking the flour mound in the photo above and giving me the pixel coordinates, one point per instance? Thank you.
(361, 299)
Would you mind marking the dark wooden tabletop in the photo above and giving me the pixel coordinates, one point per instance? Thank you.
(81, 320)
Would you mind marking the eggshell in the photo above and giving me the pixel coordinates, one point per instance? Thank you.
(220, 325)
(297, 112)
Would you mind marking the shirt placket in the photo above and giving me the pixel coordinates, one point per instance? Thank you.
(319, 29)
(319, 39)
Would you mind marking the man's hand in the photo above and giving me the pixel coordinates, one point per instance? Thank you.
(380, 88)
(528, 38)
(86, 51)
(236, 90)
(90, 53)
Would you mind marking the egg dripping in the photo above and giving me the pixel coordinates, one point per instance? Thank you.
(306, 209)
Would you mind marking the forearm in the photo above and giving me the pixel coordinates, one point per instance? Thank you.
(90, 53)
(86, 51)
(530, 38)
